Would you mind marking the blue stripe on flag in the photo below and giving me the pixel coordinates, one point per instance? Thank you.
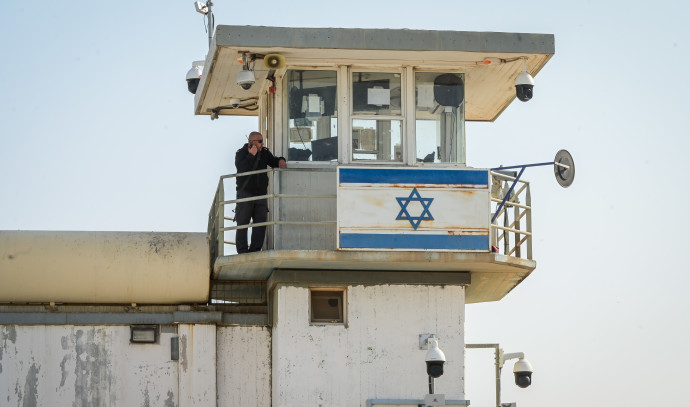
(413, 176)
(415, 241)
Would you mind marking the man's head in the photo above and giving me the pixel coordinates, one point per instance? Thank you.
(256, 139)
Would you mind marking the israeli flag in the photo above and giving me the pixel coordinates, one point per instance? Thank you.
(413, 209)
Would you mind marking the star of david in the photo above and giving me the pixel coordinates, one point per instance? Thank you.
(405, 215)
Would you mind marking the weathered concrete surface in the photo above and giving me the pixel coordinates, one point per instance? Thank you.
(244, 366)
(197, 365)
(103, 267)
(376, 355)
(80, 366)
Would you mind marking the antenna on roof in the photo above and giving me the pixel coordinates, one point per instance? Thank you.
(205, 9)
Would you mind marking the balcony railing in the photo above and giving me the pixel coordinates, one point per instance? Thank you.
(309, 225)
(219, 218)
(511, 235)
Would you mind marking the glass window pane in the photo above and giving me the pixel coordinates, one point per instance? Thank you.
(376, 93)
(440, 117)
(377, 140)
(312, 116)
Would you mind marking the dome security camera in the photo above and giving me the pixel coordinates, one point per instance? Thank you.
(524, 86)
(193, 77)
(435, 358)
(523, 373)
(245, 79)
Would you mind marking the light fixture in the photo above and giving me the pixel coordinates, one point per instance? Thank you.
(143, 334)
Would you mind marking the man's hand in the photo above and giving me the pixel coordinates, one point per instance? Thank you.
(282, 163)
(253, 149)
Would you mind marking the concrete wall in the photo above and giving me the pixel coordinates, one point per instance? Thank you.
(376, 355)
(84, 366)
(244, 366)
(88, 366)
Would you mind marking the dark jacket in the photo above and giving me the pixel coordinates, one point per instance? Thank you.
(244, 161)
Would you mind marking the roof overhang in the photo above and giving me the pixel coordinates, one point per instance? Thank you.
(489, 89)
(493, 275)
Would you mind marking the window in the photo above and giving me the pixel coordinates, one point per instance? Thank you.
(327, 305)
(377, 121)
(440, 117)
(312, 115)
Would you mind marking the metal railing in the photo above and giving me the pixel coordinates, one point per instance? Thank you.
(217, 216)
(511, 228)
(506, 231)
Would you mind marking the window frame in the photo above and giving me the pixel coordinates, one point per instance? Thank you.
(413, 114)
(343, 303)
(404, 130)
(285, 121)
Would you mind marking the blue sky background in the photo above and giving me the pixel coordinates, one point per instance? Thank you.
(97, 132)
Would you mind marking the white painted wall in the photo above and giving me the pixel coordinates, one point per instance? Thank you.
(197, 365)
(376, 355)
(84, 366)
(244, 366)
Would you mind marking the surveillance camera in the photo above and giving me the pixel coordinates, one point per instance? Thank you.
(245, 79)
(194, 76)
(234, 103)
(523, 373)
(435, 358)
(524, 85)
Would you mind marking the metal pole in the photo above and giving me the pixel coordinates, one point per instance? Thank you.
(431, 385)
(209, 15)
(505, 198)
(497, 356)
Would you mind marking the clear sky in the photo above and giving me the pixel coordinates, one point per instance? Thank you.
(97, 132)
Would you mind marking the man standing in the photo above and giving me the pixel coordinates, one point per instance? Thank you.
(253, 156)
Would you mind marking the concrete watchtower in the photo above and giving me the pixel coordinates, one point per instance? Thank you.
(378, 230)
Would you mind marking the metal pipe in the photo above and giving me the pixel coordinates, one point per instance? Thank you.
(505, 198)
(211, 22)
(515, 204)
(497, 356)
(522, 166)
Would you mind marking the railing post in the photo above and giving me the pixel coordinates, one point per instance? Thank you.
(516, 216)
(220, 220)
(506, 235)
(528, 202)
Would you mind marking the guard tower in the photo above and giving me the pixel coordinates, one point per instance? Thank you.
(378, 232)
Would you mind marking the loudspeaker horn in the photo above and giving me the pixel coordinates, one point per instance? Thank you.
(274, 61)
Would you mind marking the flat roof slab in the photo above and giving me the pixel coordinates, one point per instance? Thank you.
(489, 87)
